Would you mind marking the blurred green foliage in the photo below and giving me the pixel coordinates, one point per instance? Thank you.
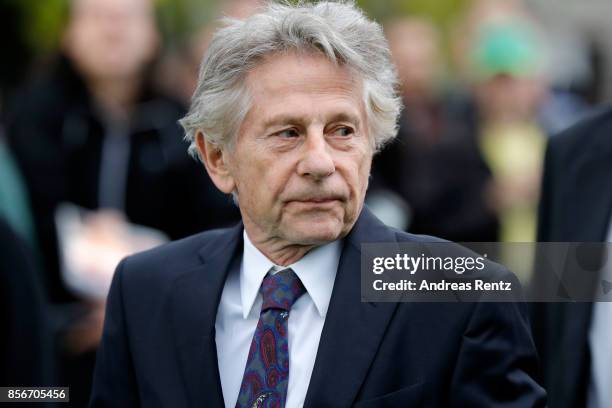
(440, 12)
(43, 22)
(178, 19)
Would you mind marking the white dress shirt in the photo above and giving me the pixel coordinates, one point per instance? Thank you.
(600, 343)
(239, 310)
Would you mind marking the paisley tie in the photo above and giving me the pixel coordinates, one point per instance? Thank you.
(266, 375)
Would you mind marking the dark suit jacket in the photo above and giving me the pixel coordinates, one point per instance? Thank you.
(158, 347)
(575, 206)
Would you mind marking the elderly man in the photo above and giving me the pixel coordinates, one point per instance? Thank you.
(292, 103)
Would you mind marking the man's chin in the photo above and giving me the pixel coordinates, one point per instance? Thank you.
(315, 231)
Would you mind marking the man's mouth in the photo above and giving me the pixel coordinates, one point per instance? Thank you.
(316, 201)
(319, 200)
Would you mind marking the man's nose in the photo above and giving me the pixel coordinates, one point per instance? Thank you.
(316, 160)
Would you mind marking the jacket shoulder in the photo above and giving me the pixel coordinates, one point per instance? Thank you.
(573, 140)
(169, 261)
(443, 248)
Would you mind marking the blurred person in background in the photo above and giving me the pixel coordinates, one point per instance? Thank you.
(574, 339)
(15, 205)
(509, 89)
(14, 200)
(505, 58)
(434, 166)
(26, 357)
(96, 133)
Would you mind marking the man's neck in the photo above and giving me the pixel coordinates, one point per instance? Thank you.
(277, 250)
(115, 97)
(282, 254)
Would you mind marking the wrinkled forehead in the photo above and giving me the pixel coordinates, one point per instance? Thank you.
(310, 68)
(279, 78)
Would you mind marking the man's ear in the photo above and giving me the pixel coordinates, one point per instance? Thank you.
(216, 164)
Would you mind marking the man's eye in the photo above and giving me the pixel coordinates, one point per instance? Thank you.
(343, 131)
(289, 133)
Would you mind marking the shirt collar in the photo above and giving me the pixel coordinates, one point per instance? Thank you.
(317, 271)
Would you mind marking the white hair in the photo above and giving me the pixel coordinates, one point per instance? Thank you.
(338, 30)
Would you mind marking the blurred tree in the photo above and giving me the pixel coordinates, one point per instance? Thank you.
(43, 21)
(441, 12)
(46, 20)
(179, 19)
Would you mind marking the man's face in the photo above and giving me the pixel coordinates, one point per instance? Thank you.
(302, 157)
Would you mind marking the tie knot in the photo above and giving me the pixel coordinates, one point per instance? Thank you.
(281, 290)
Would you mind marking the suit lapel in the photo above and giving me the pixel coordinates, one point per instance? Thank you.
(195, 300)
(353, 329)
(342, 362)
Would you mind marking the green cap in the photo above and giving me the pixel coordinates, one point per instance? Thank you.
(508, 48)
